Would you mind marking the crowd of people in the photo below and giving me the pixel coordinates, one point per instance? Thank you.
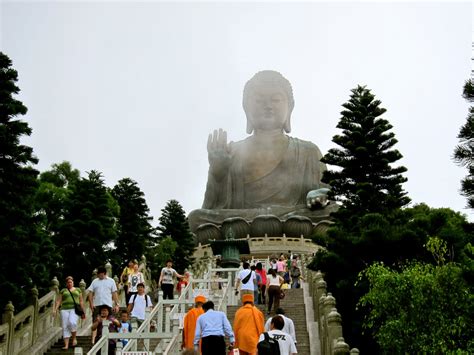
(203, 327)
(205, 330)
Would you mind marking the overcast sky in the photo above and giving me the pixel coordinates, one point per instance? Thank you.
(133, 89)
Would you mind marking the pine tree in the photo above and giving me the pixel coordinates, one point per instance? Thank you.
(22, 241)
(371, 195)
(89, 227)
(53, 191)
(367, 182)
(174, 224)
(135, 235)
(464, 152)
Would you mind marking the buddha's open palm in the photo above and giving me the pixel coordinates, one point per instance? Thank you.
(218, 152)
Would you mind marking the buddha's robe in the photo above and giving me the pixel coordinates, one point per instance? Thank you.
(189, 326)
(248, 325)
(280, 190)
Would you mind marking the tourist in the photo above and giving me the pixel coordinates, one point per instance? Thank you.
(281, 266)
(135, 278)
(288, 327)
(101, 293)
(67, 299)
(190, 319)
(183, 282)
(274, 283)
(166, 281)
(125, 326)
(139, 303)
(248, 325)
(211, 328)
(285, 341)
(114, 325)
(124, 279)
(247, 281)
(256, 291)
(295, 274)
(263, 274)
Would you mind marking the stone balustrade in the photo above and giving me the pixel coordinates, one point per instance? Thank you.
(326, 315)
(261, 247)
(33, 329)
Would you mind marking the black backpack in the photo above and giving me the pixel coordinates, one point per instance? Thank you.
(268, 346)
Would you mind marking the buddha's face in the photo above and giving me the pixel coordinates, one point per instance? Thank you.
(268, 108)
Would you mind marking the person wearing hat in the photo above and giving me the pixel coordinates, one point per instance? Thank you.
(114, 324)
(248, 325)
(190, 320)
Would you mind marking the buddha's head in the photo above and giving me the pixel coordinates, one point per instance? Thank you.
(268, 102)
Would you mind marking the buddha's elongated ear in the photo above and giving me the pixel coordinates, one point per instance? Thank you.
(249, 126)
(287, 124)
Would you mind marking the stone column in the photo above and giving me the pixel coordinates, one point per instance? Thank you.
(34, 303)
(335, 333)
(7, 318)
(108, 267)
(341, 346)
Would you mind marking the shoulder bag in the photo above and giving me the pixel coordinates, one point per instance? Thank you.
(77, 307)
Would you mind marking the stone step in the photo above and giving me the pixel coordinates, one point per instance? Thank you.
(82, 341)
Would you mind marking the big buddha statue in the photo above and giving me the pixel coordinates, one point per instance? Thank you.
(269, 172)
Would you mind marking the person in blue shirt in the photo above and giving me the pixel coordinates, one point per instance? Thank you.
(211, 328)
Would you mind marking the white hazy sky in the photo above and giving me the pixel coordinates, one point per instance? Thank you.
(132, 89)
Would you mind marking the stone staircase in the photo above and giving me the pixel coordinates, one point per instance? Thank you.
(294, 307)
(82, 341)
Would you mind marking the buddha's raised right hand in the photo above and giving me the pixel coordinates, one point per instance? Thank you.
(218, 154)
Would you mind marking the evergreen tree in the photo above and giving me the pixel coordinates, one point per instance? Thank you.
(371, 195)
(53, 191)
(366, 183)
(22, 263)
(89, 227)
(135, 233)
(174, 224)
(464, 152)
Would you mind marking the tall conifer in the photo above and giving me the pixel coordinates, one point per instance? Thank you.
(23, 243)
(366, 182)
(174, 224)
(464, 152)
(135, 233)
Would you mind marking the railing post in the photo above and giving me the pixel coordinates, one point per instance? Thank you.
(108, 267)
(7, 318)
(34, 303)
(55, 285)
(105, 334)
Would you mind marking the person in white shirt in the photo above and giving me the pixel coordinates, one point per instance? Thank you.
(285, 341)
(166, 281)
(102, 291)
(139, 303)
(288, 327)
(247, 280)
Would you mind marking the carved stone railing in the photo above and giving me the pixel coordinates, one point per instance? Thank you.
(33, 329)
(326, 315)
(161, 332)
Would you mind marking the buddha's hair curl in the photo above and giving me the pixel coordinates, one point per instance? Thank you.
(268, 78)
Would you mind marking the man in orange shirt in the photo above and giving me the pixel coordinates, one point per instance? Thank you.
(248, 325)
(190, 320)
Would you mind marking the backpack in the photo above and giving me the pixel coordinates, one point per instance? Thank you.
(268, 346)
(295, 273)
